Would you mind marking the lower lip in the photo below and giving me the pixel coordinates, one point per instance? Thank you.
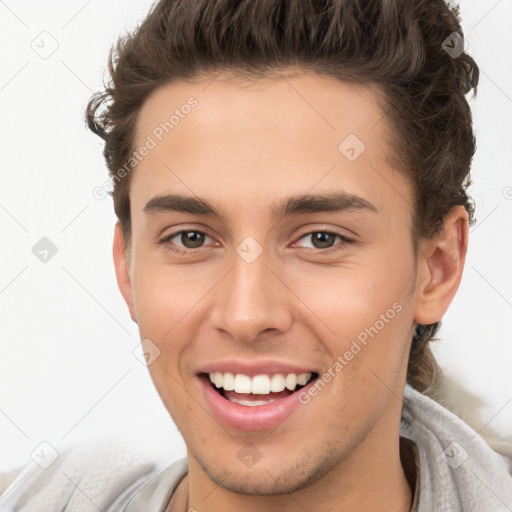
(244, 417)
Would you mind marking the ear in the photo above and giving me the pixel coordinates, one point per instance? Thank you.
(440, 266)
(122, 269)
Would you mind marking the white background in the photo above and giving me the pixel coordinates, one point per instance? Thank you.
(67, 368)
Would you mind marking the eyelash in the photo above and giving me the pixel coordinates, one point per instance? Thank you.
(345, 240)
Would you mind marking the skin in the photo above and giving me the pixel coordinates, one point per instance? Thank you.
(245, 147)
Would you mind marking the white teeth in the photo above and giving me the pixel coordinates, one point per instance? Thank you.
(260, 384)
(251, 403)
(242, 383)
(277, 383)
(228, 382)
(291, 381)
(303, 378)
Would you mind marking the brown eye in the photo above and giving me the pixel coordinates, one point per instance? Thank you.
(192, 239)
(185, 241)
(323, 239)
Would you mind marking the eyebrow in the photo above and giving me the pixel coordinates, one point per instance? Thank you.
(305, 203)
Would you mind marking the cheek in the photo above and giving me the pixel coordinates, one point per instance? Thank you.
(163, 295)
(351, 299)
(367, 312)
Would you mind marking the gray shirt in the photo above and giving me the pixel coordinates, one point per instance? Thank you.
(458, 471)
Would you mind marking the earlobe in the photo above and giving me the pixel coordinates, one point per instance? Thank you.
(440, 267)
(122, 269)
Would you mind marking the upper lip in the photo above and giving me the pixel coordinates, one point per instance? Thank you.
(253, 368)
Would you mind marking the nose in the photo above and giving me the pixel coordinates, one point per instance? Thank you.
(252, 299)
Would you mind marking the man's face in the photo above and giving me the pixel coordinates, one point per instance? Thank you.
(261, 290)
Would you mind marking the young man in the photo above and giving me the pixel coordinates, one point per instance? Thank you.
(290, 182)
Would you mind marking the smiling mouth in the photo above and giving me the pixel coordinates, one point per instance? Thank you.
(258, 390)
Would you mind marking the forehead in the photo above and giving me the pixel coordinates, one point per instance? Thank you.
(284, 134)
(289, 103)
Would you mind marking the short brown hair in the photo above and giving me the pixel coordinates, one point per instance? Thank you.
(400, 46)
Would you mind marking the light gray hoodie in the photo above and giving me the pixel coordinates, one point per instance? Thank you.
(458, 471)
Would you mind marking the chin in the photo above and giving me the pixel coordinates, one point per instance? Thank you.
(268, 479)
